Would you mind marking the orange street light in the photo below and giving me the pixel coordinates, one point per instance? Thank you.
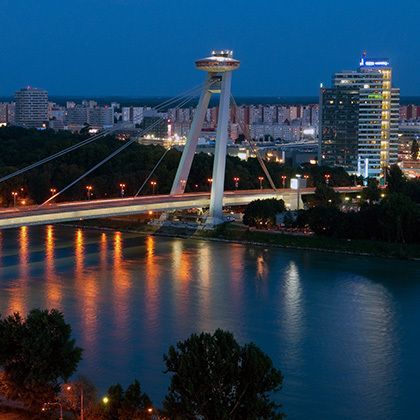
(261, 179)
(153, 184)
(89, 189)
(283, 180)
(236, 181)
(14, 195)
(122, 188)
(327, 178)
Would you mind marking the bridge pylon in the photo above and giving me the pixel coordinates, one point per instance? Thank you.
(219, 67)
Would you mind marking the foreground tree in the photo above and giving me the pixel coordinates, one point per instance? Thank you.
(216, 378)
(36, 354)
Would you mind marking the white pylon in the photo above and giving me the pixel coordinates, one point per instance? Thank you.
(219, 68)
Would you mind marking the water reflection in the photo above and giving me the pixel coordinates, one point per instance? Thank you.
(204, 278)
(151, 298)
(343, 329)
(87, 292)
(292, 317)
(262, 267)
(19, 290)
(181, 273)
(103, 252)
(121, 289)
(53, 286)
(373, 354)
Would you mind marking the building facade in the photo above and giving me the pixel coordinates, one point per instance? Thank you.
(340, 114)
(377, 117)
(31, 108)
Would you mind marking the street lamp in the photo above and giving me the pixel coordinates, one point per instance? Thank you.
(53, 191)
(14, 195)
(261, 179)
(122, 188)
(69, 388)
(153, 184)
(105, 400)
(283, 180)
(327, 178)
(89, 189)
(210, 181)
(236, 181)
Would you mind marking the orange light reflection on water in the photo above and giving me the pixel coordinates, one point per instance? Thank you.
(182, 275)
(18, 296)
(121, 286)
(53, 285)
(87, 294)
(151, 299)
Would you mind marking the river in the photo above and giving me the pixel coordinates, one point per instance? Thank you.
(344, 330)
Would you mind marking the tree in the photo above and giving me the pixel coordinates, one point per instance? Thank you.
(216, 378)
(262, 213)
(326, 196)
(371, 193)
(129, 404)
(396, 180)
(135, 403)
(324, 220)
(36, 354)
(399, 217)
(415, 150)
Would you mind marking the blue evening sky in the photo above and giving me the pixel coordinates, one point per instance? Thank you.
(147, 47)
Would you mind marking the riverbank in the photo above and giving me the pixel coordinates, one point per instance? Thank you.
(235, 232)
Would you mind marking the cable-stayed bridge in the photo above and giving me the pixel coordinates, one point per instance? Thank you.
(218, 67)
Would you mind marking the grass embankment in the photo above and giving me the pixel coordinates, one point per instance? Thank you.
(239, 233)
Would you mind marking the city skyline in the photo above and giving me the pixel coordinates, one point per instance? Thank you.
(104, 58)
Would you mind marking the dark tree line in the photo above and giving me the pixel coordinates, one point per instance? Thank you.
(21, 147)
(391, 215)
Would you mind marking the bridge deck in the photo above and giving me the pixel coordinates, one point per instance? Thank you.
(71, 211)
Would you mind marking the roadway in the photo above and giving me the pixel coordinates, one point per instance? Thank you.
(94, 209)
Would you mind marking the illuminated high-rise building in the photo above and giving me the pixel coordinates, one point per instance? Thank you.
(373, 120)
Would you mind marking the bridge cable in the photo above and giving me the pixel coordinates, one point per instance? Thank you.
(120, 149)
(92, 139)
(152, 172)
(158, 163)
(247, 135)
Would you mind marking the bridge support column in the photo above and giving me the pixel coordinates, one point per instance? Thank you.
(187, 157)
(218, 184)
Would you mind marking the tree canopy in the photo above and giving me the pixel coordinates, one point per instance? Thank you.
(132, 403)
(214, 377)
(36, 354)
(262, 213)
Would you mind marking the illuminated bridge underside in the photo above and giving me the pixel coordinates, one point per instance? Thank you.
(96, 209)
